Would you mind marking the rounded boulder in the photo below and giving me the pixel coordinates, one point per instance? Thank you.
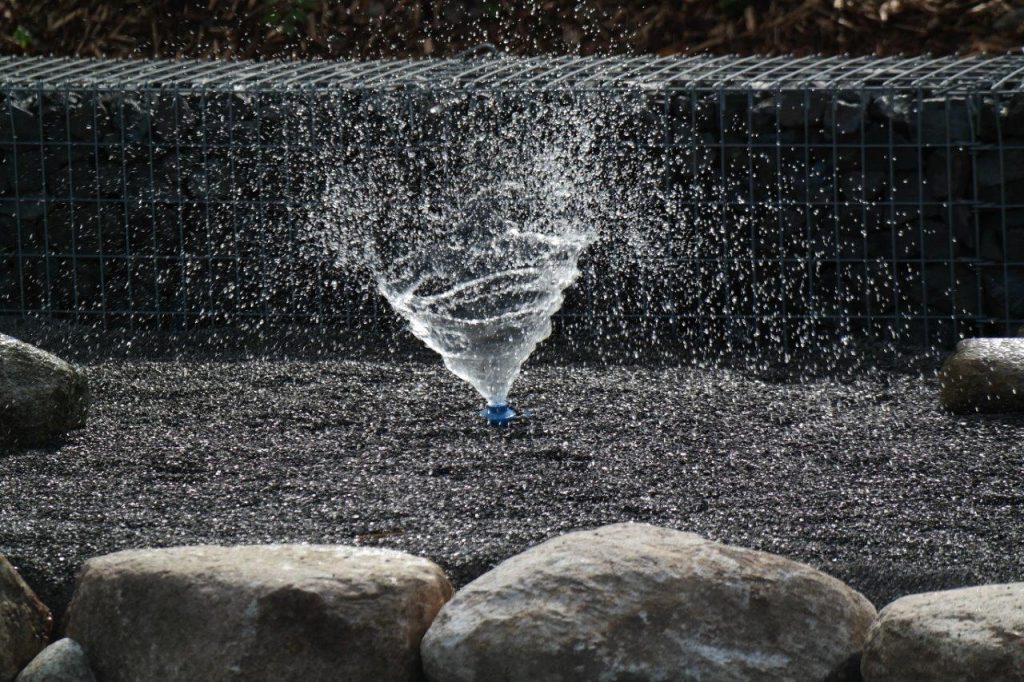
(41, 396)
(984, 375)
(62, 661)
(25, 623)
(255, 613)
(638, 602)
(972, 634)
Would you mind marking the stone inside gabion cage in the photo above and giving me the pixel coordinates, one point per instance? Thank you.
(789, 197)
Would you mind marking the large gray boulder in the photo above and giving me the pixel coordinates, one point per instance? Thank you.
(984, 375)
(255, 613)
(41, 396)
(637, 602)
(24, 623)
(62, 661)
(974, 633)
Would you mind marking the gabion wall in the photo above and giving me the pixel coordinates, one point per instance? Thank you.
(877, 196)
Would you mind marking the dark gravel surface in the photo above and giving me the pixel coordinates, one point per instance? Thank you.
(858, 472)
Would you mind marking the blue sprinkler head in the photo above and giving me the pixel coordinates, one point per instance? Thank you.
(498, 415)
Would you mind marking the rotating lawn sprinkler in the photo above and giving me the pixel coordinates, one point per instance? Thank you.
(501, 414)
(476, 254)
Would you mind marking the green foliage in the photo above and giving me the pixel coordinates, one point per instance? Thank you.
(22, 37)
(287, 16)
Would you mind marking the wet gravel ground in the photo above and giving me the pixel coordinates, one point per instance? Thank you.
(858, 472)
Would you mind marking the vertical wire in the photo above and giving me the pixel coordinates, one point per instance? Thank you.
(837, 245)
(375, 296)
(100, 204)
(954, 282)
(47, 255)
(729, 322)
(343, 152)
(974, 226)
(667, 189)
(183, 297)
(696, 179)
(319, 273)
(148, 113)
(206, 315)
(919, 111)
(128, 256)
(808, 211)
(288, 154)
(261, 169)
(868, 283)
(783, 232)
(894, 226)
(1002, 226)
(755, 294)
(17, 204)
(71, 207)
(233, 202)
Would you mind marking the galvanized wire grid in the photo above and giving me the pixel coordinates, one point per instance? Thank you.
(883, 196)
(937, 75)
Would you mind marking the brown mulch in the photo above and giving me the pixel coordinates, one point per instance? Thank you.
(403, 28)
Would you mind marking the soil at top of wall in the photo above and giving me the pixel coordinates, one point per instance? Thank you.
(385, 28)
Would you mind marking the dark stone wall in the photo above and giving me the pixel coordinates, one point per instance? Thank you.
(159, 206)
(896, 212)
(899, 213)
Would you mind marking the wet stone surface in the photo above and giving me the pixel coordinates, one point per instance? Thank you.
(858, 472)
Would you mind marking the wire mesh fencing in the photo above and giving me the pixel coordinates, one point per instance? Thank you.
(794, 198)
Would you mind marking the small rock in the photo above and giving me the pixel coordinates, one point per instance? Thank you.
(213, 179)
(948, 175)
(1004, 292)
(993, 222)
(945, 291)
(892, 109)
(1009, 192)
(944, 121)
(900, 157)
(907, 189)
(25, 171)
(41, 396)
(795, 109)
(929, 238)
(999, 167)
(132, 120)
(863, 186)
(22, 121)
(24, 622)
(81, 118)
(973, 633)
(168, 111)
(62, 661)
(999, 116)
(632, 601)
(843, 118)
(273, 612)
(995, 248)
(984, 375)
